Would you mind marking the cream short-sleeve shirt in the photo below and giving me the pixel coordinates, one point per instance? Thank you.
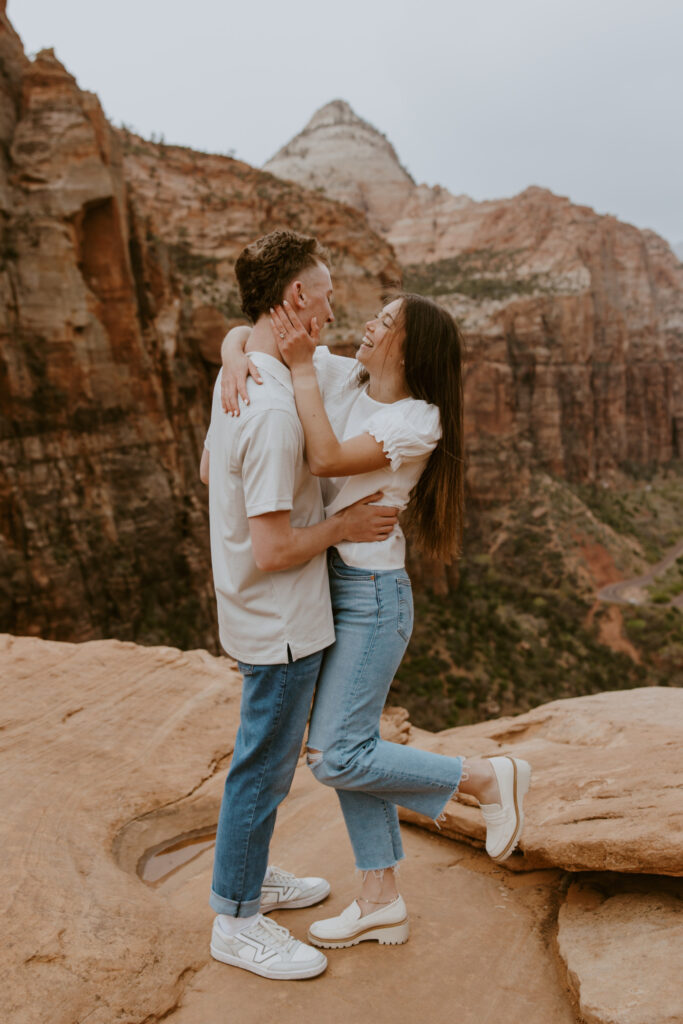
(256, 466)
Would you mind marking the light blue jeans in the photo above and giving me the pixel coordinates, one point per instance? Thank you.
(373, 620)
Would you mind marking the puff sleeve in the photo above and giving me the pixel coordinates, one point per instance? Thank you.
(406, 429)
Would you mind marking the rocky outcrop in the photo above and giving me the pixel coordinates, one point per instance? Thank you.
(616, 936)
(344, 157)
(129, 748)
(574, 321)
(117, 285)
(108, 732)
(607, 781)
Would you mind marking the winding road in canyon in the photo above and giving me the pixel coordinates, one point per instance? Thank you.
(634, 591)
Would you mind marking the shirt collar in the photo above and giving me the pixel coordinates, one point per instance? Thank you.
(274, 367)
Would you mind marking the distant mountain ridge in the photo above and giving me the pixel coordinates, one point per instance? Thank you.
(574, 321)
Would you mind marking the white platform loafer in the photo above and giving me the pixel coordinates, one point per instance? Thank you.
(505, 820)
(282, 890)
(388, 926)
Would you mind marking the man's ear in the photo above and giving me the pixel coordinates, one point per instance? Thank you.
(297, 297)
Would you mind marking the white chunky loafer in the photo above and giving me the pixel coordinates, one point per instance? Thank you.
(388, 926)
(505, 820)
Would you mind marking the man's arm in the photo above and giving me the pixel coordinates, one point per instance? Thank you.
(204, 467)
(278, 545)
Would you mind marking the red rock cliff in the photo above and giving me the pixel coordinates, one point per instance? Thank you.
(574, 324)
(116, 274)
(574, 321)
(116, 281)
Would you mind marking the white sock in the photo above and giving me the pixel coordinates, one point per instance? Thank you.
(233, 925)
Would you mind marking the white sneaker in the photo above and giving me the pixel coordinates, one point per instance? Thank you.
(267, 949)
(284, 891)
(388, 925)
(504, 821)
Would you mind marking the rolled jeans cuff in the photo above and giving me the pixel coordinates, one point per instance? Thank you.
(247, 908)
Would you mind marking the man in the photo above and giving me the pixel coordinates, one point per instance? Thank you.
(268, 543)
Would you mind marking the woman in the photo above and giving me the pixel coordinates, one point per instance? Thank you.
(396, 427)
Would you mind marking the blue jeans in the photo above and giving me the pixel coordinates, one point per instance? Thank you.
(276, 700)
(373, 620)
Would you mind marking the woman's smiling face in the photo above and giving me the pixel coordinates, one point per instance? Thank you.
(382, 345)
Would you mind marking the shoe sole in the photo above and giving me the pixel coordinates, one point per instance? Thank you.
(303, 901)
(263, 972)
(521, 777)
(385, 934)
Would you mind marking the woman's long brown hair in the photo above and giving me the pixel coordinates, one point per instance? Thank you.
(433, 354)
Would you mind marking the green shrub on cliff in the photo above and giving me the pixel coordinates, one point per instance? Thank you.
(502, 645)
(523, 625)
(480, 274)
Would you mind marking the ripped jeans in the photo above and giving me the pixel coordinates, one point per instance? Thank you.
(373, 620)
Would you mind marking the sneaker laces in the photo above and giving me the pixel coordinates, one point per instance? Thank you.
(273, 934)
(280, 877)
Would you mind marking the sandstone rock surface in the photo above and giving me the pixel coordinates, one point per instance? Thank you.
(110, 750)
(95, 737)
(607, 788)
(617, 937)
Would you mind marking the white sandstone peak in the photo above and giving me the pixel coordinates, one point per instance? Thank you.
(350, 160)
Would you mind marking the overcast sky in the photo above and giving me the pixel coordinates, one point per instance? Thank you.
(484, 97)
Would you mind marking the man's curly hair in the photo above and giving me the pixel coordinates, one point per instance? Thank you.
(265, 267)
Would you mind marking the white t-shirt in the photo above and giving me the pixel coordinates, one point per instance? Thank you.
(257, 466)
(408, 430)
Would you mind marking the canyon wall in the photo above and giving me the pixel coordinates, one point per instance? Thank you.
(116, 282)
(574, 321)
(117, 285)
